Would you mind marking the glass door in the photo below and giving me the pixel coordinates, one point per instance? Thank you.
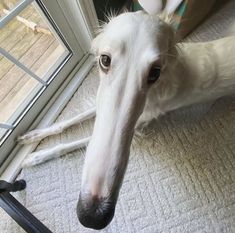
(40, 44)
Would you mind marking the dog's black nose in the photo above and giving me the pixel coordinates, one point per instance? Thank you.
(94, 212)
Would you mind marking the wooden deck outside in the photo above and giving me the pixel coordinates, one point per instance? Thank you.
(37, 51)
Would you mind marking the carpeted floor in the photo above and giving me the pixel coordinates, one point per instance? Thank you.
(181, 178)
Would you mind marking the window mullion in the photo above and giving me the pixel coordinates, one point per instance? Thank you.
(6, 126)
(22, 66)
(14, 12)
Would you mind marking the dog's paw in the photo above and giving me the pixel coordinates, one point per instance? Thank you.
(33, 159)
(30, 137)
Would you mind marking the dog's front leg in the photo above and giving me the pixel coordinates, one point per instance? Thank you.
(38, 134)
(41, 156)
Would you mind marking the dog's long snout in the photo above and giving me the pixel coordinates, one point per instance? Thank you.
(94, 212)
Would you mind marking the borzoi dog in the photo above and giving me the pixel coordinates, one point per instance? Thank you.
(143, 73)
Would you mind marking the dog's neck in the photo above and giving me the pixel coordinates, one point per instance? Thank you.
(194, 74)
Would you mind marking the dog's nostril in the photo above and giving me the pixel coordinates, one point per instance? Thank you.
(95, 213)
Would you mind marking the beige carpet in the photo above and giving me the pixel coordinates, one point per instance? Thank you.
(179, 179)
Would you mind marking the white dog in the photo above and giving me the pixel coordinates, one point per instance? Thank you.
(143, 73)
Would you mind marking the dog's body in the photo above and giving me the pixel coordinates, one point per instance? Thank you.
(128, 95)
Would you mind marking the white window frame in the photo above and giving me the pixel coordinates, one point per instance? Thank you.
(78, 40)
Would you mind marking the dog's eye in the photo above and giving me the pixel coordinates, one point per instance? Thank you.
(105, 62)
(154, 74)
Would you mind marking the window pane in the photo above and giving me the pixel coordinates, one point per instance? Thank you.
(30, 39)
(17, 89)
(7, 5)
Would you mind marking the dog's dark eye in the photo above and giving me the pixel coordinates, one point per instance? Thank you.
(154, 74)
(105, 62)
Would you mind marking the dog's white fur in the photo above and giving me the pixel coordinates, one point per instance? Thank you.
(191, 73)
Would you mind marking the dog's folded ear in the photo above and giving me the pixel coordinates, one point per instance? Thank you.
(157, 6)
(152, 7)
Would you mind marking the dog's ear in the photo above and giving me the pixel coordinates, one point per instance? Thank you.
(152, 7)
(156, 6)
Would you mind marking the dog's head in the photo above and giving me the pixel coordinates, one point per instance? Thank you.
(131, 54)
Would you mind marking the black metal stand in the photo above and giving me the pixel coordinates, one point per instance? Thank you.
(16, 210)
